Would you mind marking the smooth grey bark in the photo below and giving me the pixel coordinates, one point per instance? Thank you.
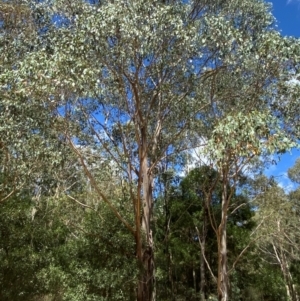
(223, 279)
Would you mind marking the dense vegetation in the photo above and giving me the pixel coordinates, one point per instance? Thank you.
(133, 139)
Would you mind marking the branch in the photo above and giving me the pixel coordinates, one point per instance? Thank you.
(11, 193)
(204, 257)
(248, 245)
(236, 208)
(82, 204)
(98, 190)
(8, 196)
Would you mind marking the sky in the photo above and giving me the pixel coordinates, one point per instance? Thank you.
(287, 13)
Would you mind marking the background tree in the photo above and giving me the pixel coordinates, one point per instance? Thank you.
(189, 241)
(278, 237)
(30, 143)
(55, 249)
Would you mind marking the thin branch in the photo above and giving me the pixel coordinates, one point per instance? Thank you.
(241, 254)
(11, 193)
(8, 196)
(236, 208)
(82, 204)
(248, 245)
(98, 190)
(204, 257)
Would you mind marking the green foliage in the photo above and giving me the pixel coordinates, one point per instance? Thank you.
(278, 237)
(26, 243)
(248, 135)
(179, 252)
(101, 77)
(61, 252)
(294, 172)
(29, 144)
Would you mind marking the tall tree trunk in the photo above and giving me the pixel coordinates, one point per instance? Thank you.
(202, 274)
(145, 254)
(288, 279)
(223, 280)
(167, 232)
(203, 248)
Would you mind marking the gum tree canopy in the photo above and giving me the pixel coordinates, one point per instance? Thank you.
(29, 147)
(132, 79)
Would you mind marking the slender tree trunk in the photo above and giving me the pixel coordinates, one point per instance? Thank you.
(223, 280)
(223, 283)
(145, 254)
(168, 251)
(194, 279)
(289, 283)
(202, 274)
(289, 279)
(203, 247)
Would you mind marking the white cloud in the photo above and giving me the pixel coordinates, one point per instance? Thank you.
(290, 1)
(196, 157)
(285, 183)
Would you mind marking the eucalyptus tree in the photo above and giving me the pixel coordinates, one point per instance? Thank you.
(278, 238)
(131, 88)
(29, 145)
(294, 172)
(190, 250)
(131, 79)
(236, 141)
(243, 121)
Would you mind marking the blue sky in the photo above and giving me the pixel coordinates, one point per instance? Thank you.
(287, 13)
